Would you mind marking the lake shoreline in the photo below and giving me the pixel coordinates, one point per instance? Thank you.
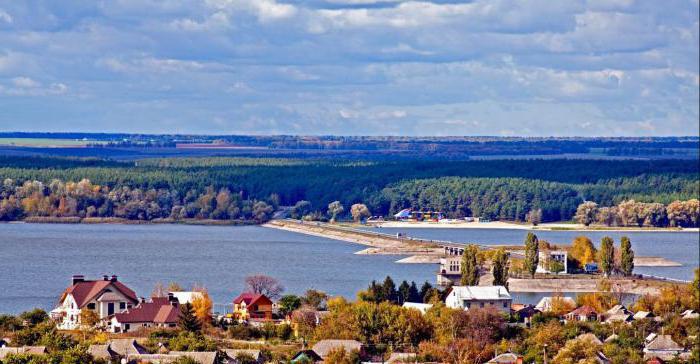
(516, 226)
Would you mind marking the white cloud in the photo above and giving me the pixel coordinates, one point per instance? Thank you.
(25, 82)
(264, 10)
(5, 17)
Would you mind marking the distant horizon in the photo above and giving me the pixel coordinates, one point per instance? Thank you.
(2, 132)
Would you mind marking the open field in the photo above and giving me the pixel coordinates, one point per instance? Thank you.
(47, 142)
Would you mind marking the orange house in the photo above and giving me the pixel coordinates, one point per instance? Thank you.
(252, 306)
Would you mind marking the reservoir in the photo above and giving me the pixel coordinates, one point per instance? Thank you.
(39, 259)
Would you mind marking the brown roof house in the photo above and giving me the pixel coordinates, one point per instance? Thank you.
(663, 346)
(105, 297)
(116, 349)
(583, 313)
(320, 351)
(162, 312)
(252, 306)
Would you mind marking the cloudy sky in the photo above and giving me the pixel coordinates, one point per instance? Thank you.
(351, 67)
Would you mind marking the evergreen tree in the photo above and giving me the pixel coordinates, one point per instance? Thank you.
(532, 253)
(389, 289)
(626, 256)
(413, 294)
(607, 255)
(403, 293)
(500, 268)
(470, 266)
(425, 291)
(187, 320)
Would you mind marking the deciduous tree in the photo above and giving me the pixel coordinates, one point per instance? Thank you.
(532, 253)
(266, 285)
(470, 266)
(607, 255)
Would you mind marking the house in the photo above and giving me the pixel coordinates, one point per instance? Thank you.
(105, 297)
(161, 312)
(252, 306)
(36, 350)
(324, 347)
(655, 360)
(641, 315)
(306, 356)
(234, 355)
(524, 313)
(116, 349)
(546, 303)
(186, 297)
(200, 357)
(422, 307)
(468, 297)
(552, 262)
(690, 314)
(618, 313)
(506, 358)
(450, 266)
(583, 313)
(663, 347)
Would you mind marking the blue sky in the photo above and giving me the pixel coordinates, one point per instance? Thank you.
(351, 67)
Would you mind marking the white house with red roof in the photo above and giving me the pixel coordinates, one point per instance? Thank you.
(105, 297)
(162, 312)
(252, 306)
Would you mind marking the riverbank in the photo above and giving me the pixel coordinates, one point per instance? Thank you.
(517, 226)
(118, 220)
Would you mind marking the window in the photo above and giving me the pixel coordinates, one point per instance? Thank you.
(122, 305)
(467, 304)
(91, 306)
(505, 304)
(482, 305)
(110, 308)
(126, 327)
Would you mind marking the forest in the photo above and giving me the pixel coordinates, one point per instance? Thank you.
(231, 188)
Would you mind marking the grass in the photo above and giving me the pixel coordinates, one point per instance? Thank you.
(45, 142)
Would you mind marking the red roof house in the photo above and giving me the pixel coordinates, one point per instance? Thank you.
(105, 297)
(159, 312)
(583, 313)
(252, 306)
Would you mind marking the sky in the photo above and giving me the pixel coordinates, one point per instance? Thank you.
(351, 67)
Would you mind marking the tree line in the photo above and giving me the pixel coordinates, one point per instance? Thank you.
(511, 190)
(633, 213)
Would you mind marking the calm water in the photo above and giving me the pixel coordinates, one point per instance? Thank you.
(680, 247)
(39, 259)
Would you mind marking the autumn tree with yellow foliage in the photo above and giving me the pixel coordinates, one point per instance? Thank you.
(582, 251)
(202, 306)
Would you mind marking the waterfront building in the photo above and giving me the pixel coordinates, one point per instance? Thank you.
(105, 297)
(547, 304)
(583, 313)
(161, 312)
(468, 297)
(552, 262)
(252, 306)
(450, 271)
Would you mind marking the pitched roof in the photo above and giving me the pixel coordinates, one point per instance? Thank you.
(481, 292)
(584, 310)
(618, 309)
(123, 347)
(546, 302)
(590, 337)
(504, 358)
(159, 310)
(234, 353)
(323, 347)
(249, 298)
(306, 354)
(101, 351)
(85, 291)
(642, 315)
(663, 342)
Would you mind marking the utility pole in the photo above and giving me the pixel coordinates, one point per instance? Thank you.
(545, 353)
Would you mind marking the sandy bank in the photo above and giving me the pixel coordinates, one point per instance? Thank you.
(516, 226)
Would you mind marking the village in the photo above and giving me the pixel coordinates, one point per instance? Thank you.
(123, 324)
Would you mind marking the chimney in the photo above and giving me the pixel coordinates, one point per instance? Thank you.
(78, 278)
(114, 278)
(105, 277)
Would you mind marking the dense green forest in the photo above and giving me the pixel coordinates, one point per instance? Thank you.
(504, 189)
